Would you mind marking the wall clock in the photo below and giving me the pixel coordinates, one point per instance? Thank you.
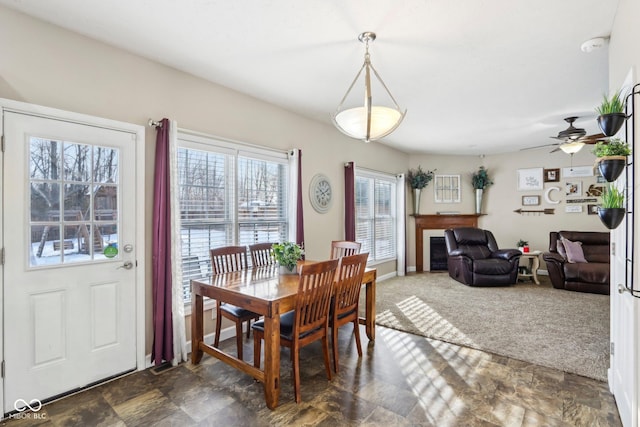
(320, 193)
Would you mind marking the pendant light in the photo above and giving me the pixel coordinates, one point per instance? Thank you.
(368, 122)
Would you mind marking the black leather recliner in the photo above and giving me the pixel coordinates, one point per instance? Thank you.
(475, 260)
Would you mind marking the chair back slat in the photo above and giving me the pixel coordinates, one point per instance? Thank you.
(314, 295)
(342, 248)
(261, 254)
(349, 283)
(228, 259)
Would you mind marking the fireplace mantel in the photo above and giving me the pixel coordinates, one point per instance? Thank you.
(438, 222)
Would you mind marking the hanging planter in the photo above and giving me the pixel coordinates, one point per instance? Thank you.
(611, 211)
(611, 114)
(610, 124)
(612, 157)
(611, 217)
(611, 167)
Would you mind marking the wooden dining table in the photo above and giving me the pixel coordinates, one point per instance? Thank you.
(266, 292)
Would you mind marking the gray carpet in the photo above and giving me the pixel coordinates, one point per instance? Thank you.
(534, 323)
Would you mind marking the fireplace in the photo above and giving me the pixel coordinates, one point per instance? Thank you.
(438, 253)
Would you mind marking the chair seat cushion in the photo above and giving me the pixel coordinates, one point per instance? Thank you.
(592, 272)
(492, 266)
(286, 325)
(237, 311)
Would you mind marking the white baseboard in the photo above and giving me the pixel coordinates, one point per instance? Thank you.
(208, 339)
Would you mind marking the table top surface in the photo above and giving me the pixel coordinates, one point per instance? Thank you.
(531, 253)
(264, 283)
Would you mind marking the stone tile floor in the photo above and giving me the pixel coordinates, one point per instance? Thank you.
(401, 380)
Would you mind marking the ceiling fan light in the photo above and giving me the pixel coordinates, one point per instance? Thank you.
(571, 147)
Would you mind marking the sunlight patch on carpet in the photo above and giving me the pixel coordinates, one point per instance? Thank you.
(427, 320)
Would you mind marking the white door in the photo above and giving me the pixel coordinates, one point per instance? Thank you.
(69, 271)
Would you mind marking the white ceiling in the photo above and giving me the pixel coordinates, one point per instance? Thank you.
(476, 76)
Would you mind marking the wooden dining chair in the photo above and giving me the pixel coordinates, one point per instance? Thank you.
(345, 303)
(340, 248)
(261, 254)
(225, 260)
(308, 322)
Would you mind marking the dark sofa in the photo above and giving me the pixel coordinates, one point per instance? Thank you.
(592, 276)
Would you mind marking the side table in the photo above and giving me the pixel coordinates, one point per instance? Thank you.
(532, 265)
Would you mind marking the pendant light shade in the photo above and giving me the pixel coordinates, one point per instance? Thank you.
(368, 122)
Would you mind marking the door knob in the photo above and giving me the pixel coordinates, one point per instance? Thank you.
(127, 265)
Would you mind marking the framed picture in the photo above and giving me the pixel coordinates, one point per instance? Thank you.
(530, 200)
(576, 171)
(573, 208)
(447, 189)
(573, 188)
(552, 175)
(595, 190)
(592, 209)
(600, 179)
(530, 179)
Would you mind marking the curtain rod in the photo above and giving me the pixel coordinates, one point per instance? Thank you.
(154, 123)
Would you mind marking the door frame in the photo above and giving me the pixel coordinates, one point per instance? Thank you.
(138, 132)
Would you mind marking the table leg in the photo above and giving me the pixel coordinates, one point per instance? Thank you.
(197, 331)
(535, 265)
(370, 310)
(272, 358)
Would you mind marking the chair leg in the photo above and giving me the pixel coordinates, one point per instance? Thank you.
(239, 338)
(248, 328)
(334, 345)
(295, 352)
(257, 348)
(216, 341)
(356, 331)
(325, 354)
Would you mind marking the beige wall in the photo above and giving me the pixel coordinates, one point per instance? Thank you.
(503, 197)
(45, 65)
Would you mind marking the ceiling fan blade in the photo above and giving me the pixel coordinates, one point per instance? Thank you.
(592, 139)
(539, 146)
(554, 150)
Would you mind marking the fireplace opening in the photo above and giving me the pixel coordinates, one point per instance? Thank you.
(438, 253)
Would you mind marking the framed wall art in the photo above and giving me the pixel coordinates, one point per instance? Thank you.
(573, 208)
(592, 209)
(530, 179)
(530, 200)
(573, 188)
(576, 171)
(552, 175)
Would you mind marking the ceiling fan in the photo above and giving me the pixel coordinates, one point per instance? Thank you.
(572, 138)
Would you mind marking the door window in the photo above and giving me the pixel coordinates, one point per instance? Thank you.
(73, 202)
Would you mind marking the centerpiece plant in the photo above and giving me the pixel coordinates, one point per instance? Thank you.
(287, 255)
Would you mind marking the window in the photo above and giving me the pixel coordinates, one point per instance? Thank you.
(229, 195)
(73, 202)
(376, 214)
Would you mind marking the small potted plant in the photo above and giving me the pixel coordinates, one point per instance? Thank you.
(523, 245)
(418, 179)
(611, 210)
(611, 114)
(287, 255)
(612, 157)
(480, 180)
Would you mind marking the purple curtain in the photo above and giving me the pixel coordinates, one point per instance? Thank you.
(300, 217)
(350, 201)
(161, 251)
